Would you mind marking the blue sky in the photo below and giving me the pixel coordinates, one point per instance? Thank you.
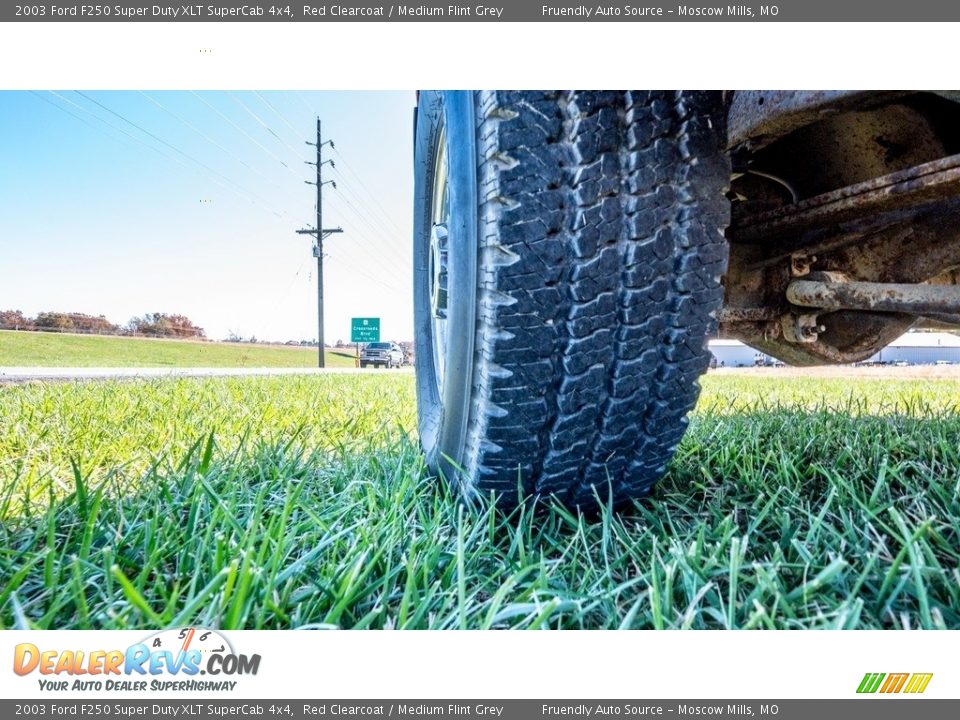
(121, 203)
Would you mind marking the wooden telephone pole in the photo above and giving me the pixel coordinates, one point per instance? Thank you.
(320, 233)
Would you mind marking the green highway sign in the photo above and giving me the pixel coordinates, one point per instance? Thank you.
(365, 330)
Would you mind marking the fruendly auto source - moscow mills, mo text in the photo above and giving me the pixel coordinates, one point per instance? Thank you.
(585, 12)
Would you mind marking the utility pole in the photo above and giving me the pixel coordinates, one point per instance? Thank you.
(319, 232)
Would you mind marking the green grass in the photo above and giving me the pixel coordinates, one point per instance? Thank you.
(302, 501)
(40, 349)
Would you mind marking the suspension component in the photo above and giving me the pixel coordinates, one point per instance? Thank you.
(832, 291)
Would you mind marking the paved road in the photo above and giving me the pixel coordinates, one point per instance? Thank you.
(25, 374)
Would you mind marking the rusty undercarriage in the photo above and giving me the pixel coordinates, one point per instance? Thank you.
(845, 228)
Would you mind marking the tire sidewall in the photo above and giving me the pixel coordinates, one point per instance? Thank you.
(443, 412)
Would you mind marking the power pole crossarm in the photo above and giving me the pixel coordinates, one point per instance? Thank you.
(320, 233)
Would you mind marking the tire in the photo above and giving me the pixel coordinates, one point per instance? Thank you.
(580, 250)
(363, 366)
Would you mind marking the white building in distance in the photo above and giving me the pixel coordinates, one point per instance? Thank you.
(914, 348)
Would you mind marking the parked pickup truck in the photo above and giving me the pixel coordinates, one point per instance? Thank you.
(382, 354)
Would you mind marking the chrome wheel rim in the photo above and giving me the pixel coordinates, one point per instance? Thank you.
(439, 257)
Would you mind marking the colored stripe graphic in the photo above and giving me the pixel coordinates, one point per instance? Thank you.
(893, 683)
(918, 682)
(870, 682)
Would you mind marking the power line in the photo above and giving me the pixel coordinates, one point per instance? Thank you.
(113, 127)
(263, 124)
(238, 189)
(370, 259)
(387, 246)
(363, 273)
(369, 192)
(370, 218)
(310, 109)
(70, 113)
(374, 238)
(279, 114)
(145, 144)
(281, 296)
(209, 139)
(244, 132)
(255, 197)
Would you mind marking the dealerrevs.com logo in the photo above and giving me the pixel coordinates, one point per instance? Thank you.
(890, 683)
(170, 660)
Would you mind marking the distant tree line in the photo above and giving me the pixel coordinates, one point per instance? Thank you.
(150, 325)
(233, 337)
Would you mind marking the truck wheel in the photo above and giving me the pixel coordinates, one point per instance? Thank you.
(568, 249)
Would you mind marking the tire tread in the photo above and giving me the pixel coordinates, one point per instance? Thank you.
(601, 230)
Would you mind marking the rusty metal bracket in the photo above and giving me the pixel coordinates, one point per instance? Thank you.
(801, 328)
(800, 264)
